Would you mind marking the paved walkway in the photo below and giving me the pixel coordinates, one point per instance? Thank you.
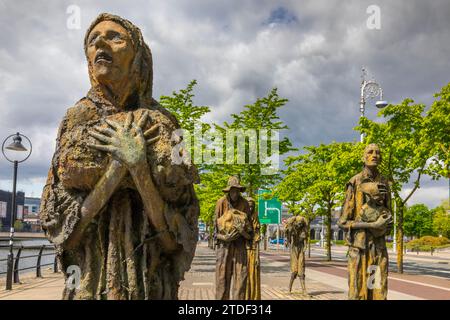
(23, 235)
(199, 283)
(47, 288)
(324, 281)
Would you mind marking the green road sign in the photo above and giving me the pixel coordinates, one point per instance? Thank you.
(269, 211)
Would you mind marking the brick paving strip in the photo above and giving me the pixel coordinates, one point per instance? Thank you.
(400, 285)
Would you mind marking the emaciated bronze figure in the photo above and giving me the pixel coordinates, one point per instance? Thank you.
(114, 203)
(254, 269)
(232, 232)
(296, 236)
(366, 217)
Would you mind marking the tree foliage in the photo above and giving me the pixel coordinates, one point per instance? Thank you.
(418, 221)
(315, 180)
(441, 220)
(261, 115)
(437, 133)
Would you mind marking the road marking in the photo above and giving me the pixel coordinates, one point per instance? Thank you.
(342, 284)
(420, 283)
(398, 279)
(389, 277)
(336, 258)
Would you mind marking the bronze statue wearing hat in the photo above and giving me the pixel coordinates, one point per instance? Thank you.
(233, 230)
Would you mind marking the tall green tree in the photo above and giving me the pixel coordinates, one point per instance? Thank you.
(260, 116)
(208, 192)
(292, 190)
(437, 133)
(418, 221)
(441, 220)
(190, 118)
(317, 178)
(253, 135)
(181, 105)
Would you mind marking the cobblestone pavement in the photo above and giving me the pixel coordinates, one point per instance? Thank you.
(275, 275)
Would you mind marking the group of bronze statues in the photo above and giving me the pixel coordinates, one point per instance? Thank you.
(117, 206)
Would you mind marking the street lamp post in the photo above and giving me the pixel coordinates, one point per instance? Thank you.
(369, 90)
(15, 146)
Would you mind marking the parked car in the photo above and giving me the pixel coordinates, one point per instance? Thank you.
(274, 241)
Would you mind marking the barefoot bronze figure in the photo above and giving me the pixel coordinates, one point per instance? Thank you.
(296, 236)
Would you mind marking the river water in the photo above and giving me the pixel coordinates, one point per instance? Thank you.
(26, 262)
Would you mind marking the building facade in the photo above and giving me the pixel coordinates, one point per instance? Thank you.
(31, 214)
(6, 208)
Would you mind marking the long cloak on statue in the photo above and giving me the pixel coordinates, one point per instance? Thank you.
(119, 255)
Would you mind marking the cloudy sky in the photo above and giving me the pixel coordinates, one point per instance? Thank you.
(312, 51)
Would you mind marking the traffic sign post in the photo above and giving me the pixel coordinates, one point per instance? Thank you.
(269, 211)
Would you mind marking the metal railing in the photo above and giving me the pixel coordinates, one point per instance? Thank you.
(39, 256)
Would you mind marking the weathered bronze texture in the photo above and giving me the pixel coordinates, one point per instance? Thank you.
(232, 234)
(115, 204)
(253, 291)
(296, 236)
(366, 218)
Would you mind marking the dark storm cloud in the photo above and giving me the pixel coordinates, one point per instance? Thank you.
(312, 51)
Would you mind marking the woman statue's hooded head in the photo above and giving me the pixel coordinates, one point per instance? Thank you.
(119, 61)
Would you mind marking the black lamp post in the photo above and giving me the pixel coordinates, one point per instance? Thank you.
(16, 146)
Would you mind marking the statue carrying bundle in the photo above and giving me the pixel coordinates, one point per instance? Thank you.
(232, 221)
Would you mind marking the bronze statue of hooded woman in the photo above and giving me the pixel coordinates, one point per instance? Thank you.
(116, 204)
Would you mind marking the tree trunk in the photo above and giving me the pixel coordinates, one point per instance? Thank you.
(210, 229)
(400, 209)
(264, 231)
(329, 233)
(309, 240)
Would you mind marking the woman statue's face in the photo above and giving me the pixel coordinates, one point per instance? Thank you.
(110, 52)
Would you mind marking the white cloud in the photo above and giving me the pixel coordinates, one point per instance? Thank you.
(237, 50)
(430, 196)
